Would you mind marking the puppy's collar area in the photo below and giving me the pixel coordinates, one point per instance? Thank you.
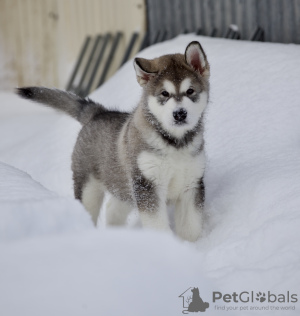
(169, 139)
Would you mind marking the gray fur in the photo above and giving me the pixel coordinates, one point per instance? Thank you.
(80, 109)
(110, 142)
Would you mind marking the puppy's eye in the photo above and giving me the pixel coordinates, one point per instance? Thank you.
(165, 94)
(189, 91)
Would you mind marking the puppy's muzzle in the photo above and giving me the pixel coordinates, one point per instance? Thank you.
(180, 115)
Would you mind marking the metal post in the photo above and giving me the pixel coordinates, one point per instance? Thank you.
(110, 58)
(79, 61)
(97, 64)
(88, 65)
(145, 42)
(133, 39)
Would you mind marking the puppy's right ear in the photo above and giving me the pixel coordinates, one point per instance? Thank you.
(144, 70)
(195, 57)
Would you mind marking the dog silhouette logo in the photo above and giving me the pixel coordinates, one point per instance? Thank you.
(192, 301)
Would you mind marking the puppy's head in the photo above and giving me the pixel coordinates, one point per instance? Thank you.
(176, 88)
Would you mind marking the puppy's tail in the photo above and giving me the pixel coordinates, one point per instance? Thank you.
(83, 110)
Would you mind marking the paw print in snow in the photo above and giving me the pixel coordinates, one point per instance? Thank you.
(261, 297)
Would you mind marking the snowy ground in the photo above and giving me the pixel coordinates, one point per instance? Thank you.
(53, 262)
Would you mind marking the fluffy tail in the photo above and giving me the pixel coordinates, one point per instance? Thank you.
(83, 110)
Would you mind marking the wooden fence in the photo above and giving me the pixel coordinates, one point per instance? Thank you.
(40, 39)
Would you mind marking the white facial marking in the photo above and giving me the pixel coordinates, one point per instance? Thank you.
(185, 85)
(164, 113)
(169, 87)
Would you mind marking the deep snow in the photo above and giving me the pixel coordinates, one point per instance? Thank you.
(54, 263)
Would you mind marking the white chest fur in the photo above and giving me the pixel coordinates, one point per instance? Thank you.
(173, 172)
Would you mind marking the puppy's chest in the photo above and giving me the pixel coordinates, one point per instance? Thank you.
(173, 172)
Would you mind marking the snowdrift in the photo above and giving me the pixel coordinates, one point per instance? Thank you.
(53, 262)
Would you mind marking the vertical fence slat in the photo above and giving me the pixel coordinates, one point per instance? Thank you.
(297, 20)
(203, 17)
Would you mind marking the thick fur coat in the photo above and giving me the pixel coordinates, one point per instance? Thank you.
(150, 157)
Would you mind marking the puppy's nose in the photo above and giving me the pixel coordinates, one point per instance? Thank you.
(180, 115)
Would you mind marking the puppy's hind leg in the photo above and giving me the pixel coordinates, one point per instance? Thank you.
(117, 212)
(91, 195)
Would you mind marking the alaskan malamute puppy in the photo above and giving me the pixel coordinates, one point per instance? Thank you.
(150, 157)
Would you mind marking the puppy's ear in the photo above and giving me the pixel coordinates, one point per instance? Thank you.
(195, 57)
(144, 70)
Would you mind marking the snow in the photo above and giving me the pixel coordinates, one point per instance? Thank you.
(53, 262)
(234, 27)
(29, 210)
(38, 141)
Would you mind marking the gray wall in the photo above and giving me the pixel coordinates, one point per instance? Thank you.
(280, 19)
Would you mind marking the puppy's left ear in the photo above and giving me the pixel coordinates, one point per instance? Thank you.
(144, 70)
(195, 57)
